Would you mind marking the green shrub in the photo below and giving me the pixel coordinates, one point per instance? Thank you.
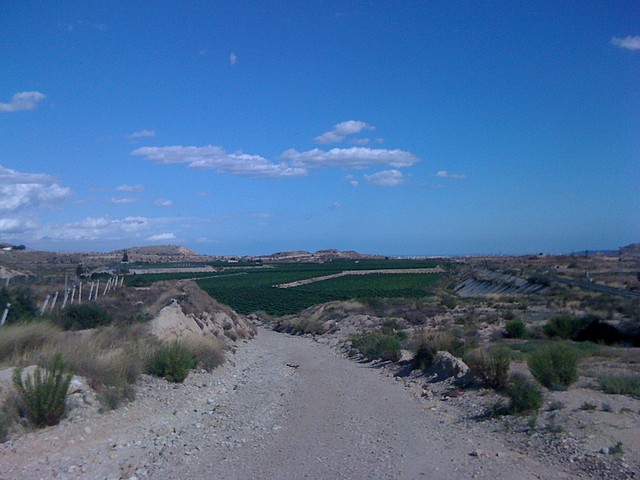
(555, 366)
(524, 395)
(492, 367)
(621, 384)
(173, 362)
(374, 345)
(515, 328)
(423, 355)
(43, 395)
(208, 351)
(563, 326)
(81, 317)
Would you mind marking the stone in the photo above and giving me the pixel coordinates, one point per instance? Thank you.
(446, 366)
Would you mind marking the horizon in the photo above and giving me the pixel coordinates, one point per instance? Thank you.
(232, 128)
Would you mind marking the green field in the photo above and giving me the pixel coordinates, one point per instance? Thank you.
(249, 290)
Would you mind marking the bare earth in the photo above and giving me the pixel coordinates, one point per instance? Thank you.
(283, 407)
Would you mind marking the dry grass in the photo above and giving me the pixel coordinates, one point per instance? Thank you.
(209, 351)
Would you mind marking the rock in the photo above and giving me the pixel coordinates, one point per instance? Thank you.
(446, 366)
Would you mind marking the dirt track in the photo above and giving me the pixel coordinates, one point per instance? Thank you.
(289, 408)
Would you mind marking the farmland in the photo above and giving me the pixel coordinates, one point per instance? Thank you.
(253, 289)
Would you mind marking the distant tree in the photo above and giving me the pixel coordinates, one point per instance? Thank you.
(19, 247)
(79, 270)
(125, 257)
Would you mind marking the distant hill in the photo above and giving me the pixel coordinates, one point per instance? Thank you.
(631, 252)
(159, 250)
(319, 256)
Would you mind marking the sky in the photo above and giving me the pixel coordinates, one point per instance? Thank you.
(388, 127)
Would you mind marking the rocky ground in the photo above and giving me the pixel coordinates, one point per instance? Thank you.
(292, 407)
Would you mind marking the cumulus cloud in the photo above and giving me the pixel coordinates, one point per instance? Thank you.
(445, 174)
(143, 134)
(215, 158)
(20, 191)
(16, 225)
(163, 202)
(130, 188)
(630, 43)
(233, 59)
(342, 130)
(386, 178)
(161, 237)
(106, 228)
(352, 180)
(22, 101)
(354, 157)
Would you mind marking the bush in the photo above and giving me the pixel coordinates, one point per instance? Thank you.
(563, 326)
(621, 384)
(423, 355)
(515, 328)
(23, 305)
(524, 395)
(43, 395)
(492, 367)
(554, 367)
(374, 345)
(81, 317)
(173, 362)
(18, 339)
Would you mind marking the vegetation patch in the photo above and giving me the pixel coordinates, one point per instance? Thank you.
(83, 316)
(173, 362)
(378, 345)
(621, 384)
(42, 396)
(524, 395)
(555, 367)
(491, 368)
(515, 328)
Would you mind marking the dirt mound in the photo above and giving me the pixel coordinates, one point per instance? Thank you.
(182, 309)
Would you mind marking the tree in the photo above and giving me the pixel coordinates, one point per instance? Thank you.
(125, 257)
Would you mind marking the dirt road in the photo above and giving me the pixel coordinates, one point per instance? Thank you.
(287, 408)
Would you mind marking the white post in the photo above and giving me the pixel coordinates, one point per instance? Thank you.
(44, 305)
(106, 288)
(121, 280)
(91, 291)
(80, 293)
(95, 297)
(7, 282)
(4, 315)
(73, 295)
(66, 296)
(53, 302)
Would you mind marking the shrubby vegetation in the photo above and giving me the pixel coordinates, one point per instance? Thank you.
(555, 366)
(378, 345)
(83, 316)
(515, 328)
(524, 395)
(492, 367)
(621, 384)
(173, 362)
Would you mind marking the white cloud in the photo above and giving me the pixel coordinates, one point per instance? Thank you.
(386, 178)
(336, 205)
(215, 158)
(354, 157)
(233, 59)
(20, 191)
(360, 141)
(123, 200)
(143, 134)
(342, 130)
(22, 101)
(161, 237)
(445, 174)
(630, 43)
(130, 188)
(352, 180)
(163, 202)
(16, 225)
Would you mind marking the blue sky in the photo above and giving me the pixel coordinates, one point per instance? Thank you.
(246, 127)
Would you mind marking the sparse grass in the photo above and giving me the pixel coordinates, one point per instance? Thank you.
(588, 406)
(42, 396)
(555, 367)
(621, 384)
(20, 339)
(616, 449)
(83, 316)
(208, 351)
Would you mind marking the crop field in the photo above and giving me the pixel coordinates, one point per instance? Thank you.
(250, 288)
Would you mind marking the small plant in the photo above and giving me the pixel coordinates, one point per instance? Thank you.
(555, 367)
(556, 405)
(621, 384)
(606, 407)
(515, 328)
(562, 326)
(173, 362)
(524, 395)
(616, 449)
(491, 368)
(588, 406)
(44, 394)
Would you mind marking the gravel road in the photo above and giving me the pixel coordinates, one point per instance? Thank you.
(283, 408)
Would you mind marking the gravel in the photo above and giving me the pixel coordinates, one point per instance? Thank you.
(282, 407)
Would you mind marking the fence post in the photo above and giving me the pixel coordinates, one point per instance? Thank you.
(4, 315)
